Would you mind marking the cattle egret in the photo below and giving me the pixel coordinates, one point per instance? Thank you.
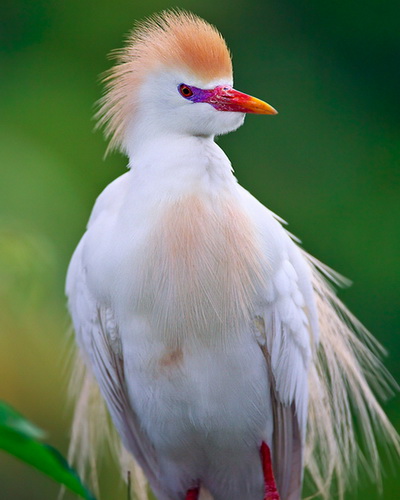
(225, 360)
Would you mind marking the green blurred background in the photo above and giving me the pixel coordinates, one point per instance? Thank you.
(328, 163)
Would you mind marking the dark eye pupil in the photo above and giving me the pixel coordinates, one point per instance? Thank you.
(185, 90)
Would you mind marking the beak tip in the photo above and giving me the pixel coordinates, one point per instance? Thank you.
(271, 111)
(266, 109)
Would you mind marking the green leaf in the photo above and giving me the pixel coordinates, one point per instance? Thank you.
(19, 437)
(11, 419)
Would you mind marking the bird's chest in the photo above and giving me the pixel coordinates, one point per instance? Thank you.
(200, 270)
(199, 396)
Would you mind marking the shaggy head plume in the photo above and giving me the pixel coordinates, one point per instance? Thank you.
(173, 40)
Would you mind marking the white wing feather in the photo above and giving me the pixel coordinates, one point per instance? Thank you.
(98, 338)
(289, 332)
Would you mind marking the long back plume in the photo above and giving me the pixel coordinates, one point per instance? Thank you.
(344, 380)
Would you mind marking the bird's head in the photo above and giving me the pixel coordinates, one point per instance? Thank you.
(173, 76)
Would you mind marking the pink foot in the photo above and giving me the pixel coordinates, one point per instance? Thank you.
(271, 493)
(192, 494)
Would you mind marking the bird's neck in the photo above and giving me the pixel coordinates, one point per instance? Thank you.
(176, 165)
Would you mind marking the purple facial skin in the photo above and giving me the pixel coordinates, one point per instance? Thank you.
(195, 94)
(222, 98)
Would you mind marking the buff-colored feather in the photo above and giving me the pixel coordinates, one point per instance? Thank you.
(218, 267)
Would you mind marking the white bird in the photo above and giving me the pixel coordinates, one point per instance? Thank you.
(215, 341)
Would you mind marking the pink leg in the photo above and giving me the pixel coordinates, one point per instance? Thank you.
(192, 494)
(271, 493)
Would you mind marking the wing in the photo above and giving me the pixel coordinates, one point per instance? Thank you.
(287, 346)
(98, 338)
(288, 334)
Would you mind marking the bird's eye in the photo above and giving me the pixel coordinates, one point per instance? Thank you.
(185, 91)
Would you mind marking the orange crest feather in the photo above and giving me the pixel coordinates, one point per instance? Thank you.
(170, 39)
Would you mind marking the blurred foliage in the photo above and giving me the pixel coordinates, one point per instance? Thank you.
(21, 438)
(328, 163)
